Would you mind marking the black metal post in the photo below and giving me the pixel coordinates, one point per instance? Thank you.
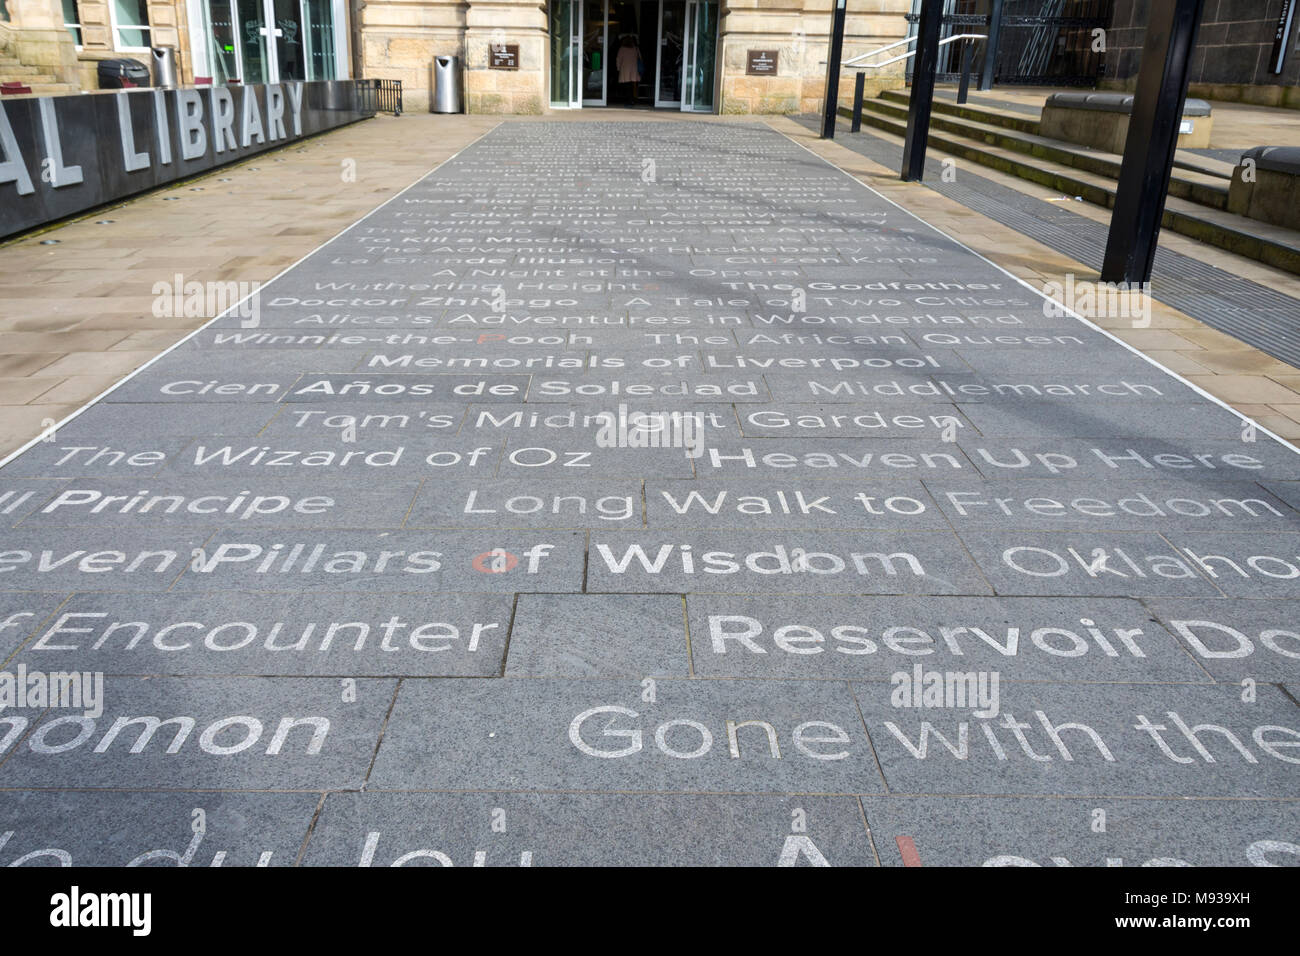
(833, 71)
(858, 85)
(922, 100)
(1153, 138)
(963, 88)
(990, 64)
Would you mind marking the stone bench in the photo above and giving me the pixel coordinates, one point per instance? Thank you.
(1101, 120)
(1271, 190)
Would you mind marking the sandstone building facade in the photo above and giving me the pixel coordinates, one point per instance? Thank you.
(531, 56)
(731, 56)
(693, 55)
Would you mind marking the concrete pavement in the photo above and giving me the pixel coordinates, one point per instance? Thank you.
(654, 492)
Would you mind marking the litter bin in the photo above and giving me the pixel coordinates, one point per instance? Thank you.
(446, 84)
(164, 66)
(122, 74)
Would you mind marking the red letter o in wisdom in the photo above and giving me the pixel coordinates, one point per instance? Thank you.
(494, 562)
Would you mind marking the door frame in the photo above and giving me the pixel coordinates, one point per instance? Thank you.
(203, 36)
(659, 64)
(573, 31)
(576, 34)
(690, 52)
(604, 52)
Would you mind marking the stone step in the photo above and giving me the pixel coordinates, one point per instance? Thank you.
(1210, 224)
(1007, 119)
(1206, 184)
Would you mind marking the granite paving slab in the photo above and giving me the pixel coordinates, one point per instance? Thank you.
(70, 458)
(781, 562)
(195, 733)
(78, 828)
(1237, 641)
(978, 736)
(598, 635)
(170, 501)
(266, 633)
(1069, 831)
(21, 614)
(1023, 639)
(383, 561)
(1128, 459)
(519, 829)
(669, 736)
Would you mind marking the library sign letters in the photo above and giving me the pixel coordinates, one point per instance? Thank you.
(62, 154)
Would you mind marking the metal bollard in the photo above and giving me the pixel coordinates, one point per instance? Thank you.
(858, 86)
(967, 54)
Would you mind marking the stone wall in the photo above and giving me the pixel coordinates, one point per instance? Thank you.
(36, 37)
(1233, 53)
(800, 31)
(168, 25)
(400, 38)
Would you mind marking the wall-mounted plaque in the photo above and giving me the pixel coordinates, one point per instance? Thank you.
(503, 56)
(760, 62)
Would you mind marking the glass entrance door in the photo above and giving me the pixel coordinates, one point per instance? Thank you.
(668, 68)
(290, 55)
(318, 34)
(566, 54)
(255, 64)
(583, 34)
(270, 41)
(700, 32)
(223, 42)
(595, 51)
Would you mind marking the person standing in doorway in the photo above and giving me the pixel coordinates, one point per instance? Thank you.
(628, 64)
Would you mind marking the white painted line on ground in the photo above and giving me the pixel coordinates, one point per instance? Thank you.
(1038, 292)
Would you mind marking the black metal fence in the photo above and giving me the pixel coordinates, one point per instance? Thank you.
(1039, 42)
(382, 96)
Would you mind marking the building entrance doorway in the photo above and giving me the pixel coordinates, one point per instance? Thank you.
(634, 53)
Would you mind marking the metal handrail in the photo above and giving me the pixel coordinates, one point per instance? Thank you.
(852, 62)
(906, 41)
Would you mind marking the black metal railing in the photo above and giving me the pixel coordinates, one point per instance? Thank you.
(381, 96)
(1039, 42)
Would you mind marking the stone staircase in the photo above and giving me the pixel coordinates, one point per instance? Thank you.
(12, 70)
(1008, 141)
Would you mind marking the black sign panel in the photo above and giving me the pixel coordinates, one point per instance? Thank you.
(60, 155)
(504, 56)
(761, 62)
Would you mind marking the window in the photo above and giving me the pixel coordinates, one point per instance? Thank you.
(131, 24)
(71, 20)
(319, 16)
(222, 51)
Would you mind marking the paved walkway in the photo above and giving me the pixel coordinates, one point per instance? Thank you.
(78, 315)
(1222, 297)
(77, 303)
(1251, 381)
(653, 493)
